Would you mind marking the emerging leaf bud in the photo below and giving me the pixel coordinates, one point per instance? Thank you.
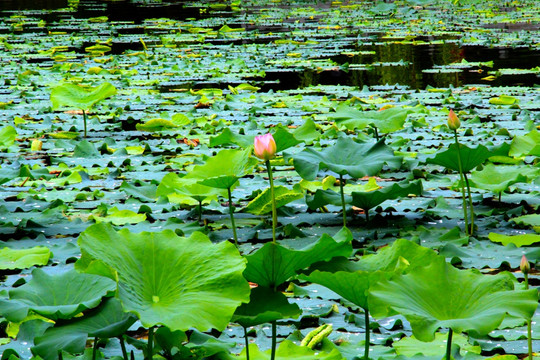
(265, 147)
(524, 265)
(453, 121)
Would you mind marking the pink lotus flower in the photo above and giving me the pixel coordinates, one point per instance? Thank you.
(265, 147)
(524, 265)
(453, 121)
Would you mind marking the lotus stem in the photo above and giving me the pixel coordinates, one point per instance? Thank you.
(342, 200)
(247, 342)
(366, 351)
(470, 203)
(529, 322)
(449, 345)
(132, 357)
(376, 133)
(366, 211)
(94, 349)
(500, 194)
(200, 211)
(84, 118)
(274, 211)
(231, 213)
(150, 348)
(274, 335)
(462, 184)
(60, 356)
(123, 346)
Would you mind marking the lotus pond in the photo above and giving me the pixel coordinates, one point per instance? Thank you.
(386, 217)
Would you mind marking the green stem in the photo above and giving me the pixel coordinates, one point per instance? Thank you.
(449, 345)
(200, 212)
(247, 343)
(84, 117)
(123, 346)
(500, 196)
(94, 350)
(274, 211)
(376, 133)
(529, 322)
(366, 351)
(231, 213)
(150, 348)
(60, 356)
(470, 203)
(342, 200)
(274, 335)
(462, 183)
(366, 211)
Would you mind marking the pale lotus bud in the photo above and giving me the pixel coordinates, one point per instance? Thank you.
(265, 147)
(453, 121)
(524, 265)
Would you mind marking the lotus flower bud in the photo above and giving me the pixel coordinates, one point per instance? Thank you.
(524, 265)
(453, 121)
(265, 147)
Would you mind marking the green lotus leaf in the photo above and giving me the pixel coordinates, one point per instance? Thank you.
(74, 96)
(8, 134)
(273, 264)
(156, 125)
(518, 240)
(386, 121)
(470, 157)
(224, 169)
(287, 350)
(60, 296)
(170, 280)
(265, 305)
(410, 346)
(528, 144)
(503, 100)
(352, 286)
(227, 137)
(441, 296)
(324, 197)
(24, 258)
(346, 156)
(86, 149)
(497, 178)
(528, 220)
(352, 279)
(368, 200)
(119, 217)
(186, 191)
(106, 321)
(262, 204)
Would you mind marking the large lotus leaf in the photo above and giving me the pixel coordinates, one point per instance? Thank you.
(352, 286)
(170, 280)
(8, 134)
(350, 117)
(368, 200)
(224, 169)
(496, 178)
(528, 144)
(346, 156)
(60, 296)
(23, 258)
(392, 258)
(106, 321)
(78, 97)
(518, 240)
(287, 350)
(387, 120)
(470, 157)
(352, 279)
(440, 295)
(186, 191)
(265, 305)
(119, 217)
(410, 346)
(227, 137)
(262, 204)
(273, 264)
(324, 197)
